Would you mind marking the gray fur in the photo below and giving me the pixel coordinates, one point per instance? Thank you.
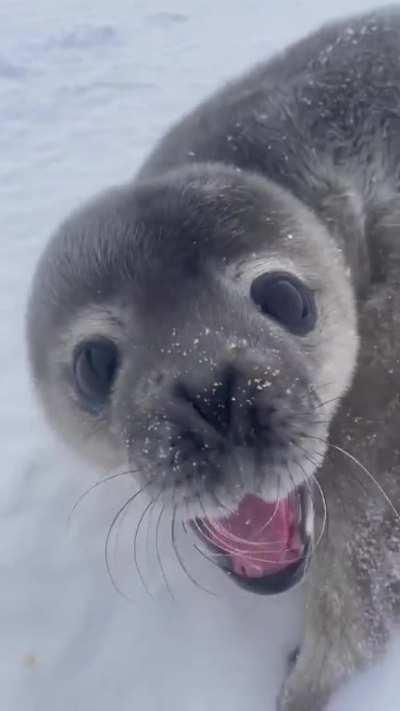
(296, 163)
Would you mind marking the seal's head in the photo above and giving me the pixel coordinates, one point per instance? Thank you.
(200, 327)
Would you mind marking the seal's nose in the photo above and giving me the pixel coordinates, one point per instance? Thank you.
(213, 402)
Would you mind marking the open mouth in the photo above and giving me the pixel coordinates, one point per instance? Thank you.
(264, 546)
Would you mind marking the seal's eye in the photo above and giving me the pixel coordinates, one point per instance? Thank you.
(95, 366)
(284, 297)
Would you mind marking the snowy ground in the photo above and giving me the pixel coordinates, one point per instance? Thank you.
(85, 88)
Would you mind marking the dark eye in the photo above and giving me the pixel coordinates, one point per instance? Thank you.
(95, 366)
(286, 299)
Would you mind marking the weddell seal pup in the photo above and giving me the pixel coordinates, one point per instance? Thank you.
(227, 325)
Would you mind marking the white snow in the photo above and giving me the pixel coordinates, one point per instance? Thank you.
(85, 89)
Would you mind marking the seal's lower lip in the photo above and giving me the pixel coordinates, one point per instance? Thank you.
(267, 559)
(276, 583)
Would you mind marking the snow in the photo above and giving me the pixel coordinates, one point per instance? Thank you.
(85, 89)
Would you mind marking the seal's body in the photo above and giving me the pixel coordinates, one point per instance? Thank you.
(228, 325)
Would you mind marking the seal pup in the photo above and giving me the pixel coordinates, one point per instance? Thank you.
(228, 325)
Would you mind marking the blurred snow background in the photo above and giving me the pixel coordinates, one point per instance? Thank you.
(85, 89)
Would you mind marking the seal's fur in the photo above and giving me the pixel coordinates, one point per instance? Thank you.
(313, 137)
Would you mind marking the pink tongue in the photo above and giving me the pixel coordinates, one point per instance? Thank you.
(260, 537)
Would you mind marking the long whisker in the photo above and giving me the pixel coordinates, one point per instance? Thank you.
(330, 446)
(370, 476)
(135, 543)
(364, 469)
(238, 470)
(194, 524)
(109, 532)
(226, 542)
(208, 556)
(221, 505)
(276, 508)
(228, 549)
(254, 555)
(307, 455)
(324, 524)
(160, 563)
(91, 488)
(318, 422)
(327, 402)
(271, 518)
(218, 528)
(179, 557)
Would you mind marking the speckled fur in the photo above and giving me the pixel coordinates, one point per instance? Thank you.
(322, 121)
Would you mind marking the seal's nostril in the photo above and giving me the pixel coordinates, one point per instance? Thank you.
(213, 403)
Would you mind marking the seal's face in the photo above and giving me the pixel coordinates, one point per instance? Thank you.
(201, 328)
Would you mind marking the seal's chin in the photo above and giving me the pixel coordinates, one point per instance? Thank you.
(264, 546)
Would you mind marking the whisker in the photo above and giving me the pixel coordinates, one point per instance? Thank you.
(183, 524)
(194, 524)
(330, 446)
(180, 559)
(238, 470)
(306, 453)
(108, 536)
(324, 524)
(364, 469)
(135, 543)
(160, 563)
(291, 477)
(220, 505)
(371, 477)
(208, 557)
(227, 549)
(226, 542)
(91, 488)
(318, 422)
(275, 511)
(149, 530)
(327, 402)
(226, 534)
